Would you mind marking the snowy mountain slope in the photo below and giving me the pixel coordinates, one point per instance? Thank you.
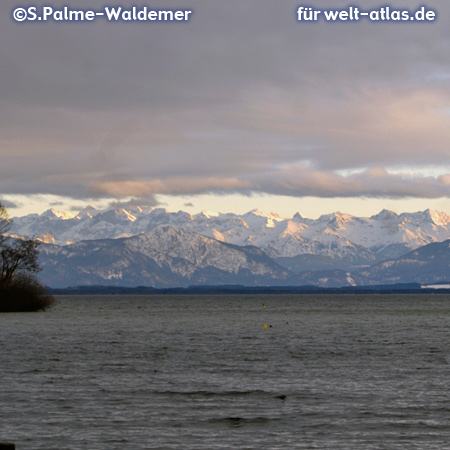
(335, 238)
(426, 265)
(429, 264)
(164, 256)
(169, 256)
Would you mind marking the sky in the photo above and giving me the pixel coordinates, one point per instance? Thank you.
(241, 107)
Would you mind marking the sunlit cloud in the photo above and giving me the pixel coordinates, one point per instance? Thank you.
(145, 188)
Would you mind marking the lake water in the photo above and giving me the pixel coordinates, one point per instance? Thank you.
(182, 372)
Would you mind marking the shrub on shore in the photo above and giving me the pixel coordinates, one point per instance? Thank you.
(19, 290)
(24, 294)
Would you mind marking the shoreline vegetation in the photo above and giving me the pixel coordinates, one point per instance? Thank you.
(20, 291)
(25, 294)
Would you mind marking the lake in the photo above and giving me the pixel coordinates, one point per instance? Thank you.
(202, 372)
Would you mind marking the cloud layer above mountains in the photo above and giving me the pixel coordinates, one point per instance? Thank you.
(243, 98)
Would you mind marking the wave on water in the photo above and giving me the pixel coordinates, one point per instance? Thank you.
(239, 422)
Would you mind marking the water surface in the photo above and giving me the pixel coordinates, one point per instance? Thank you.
(185, 372)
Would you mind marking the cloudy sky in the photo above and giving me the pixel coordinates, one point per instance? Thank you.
(242, 107)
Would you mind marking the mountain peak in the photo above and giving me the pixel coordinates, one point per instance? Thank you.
(255, 216)
(208, 214)
(336, 217)
(159, 211)
(128, 215)
(255, 212)
(385, 214)
(438, 218)
(87, 212)
(89, 208)
(53, 213)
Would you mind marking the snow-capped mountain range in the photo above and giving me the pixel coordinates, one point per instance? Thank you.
(166, 256)
(332, 241)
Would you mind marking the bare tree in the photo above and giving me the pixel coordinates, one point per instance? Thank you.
(17, 258)
(19, 289)
(20, 257)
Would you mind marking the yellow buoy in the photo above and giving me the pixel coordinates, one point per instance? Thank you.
(265, 326)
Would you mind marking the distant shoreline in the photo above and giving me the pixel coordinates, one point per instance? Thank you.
(411, 288)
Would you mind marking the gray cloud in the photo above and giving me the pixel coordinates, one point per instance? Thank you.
(293, 181)
(142, 202)
(8, 204)
(374, 182)
(241, 99)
